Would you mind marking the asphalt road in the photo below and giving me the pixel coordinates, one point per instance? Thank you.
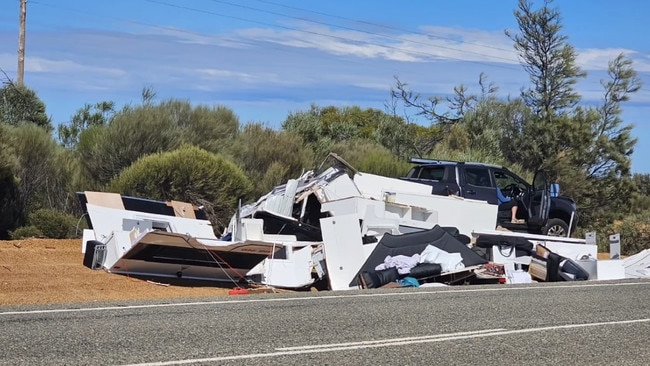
(591, 323)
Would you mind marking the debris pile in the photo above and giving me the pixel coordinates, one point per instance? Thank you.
(339, 229)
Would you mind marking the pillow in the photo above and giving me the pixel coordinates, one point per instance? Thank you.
(424, 270)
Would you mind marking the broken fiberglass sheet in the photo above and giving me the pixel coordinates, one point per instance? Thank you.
(638, 265)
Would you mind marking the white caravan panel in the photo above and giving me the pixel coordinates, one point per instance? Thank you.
(572, 251)
(611, 269)
(107, 220)
(341, 187)
(118, 244)
(638, 265)
(344, 254)
(531, 237)
(466, 215)
(375, 186)
(293, 272)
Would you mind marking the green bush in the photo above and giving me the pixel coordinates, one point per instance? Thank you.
(189, 174)
(25, 232)
(53, 224)
(634, 231)
(269, 157)
(370, 157)
(635, 234)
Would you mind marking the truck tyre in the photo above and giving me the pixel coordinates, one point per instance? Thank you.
(556, 227)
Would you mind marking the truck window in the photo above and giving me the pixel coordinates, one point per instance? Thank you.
(504, 179)
(479, 177)
(432, 172)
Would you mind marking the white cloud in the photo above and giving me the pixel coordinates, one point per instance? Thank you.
(37, 64)
(332, 42)
(432, 43)
(189, 37)
(598, 59)
(219, 79)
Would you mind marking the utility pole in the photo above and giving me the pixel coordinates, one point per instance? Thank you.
(21, 42)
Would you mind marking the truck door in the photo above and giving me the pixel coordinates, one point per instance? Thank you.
(478, 185)
(540, 201)
(514, 187)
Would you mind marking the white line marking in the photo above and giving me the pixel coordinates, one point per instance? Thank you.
(326, 297)
(385, 343)
(388, 340)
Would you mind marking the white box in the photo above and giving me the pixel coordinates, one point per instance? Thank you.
(611, 269)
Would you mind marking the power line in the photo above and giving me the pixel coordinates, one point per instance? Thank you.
(345, 39)
(379, 25)
(173, 29)
(131, 21)
(365, 31)
(406, 51)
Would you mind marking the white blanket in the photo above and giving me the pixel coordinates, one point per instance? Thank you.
(448, 261)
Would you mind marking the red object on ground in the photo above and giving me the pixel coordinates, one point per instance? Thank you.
(238, 291)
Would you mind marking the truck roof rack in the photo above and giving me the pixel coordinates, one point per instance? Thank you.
(485, 164)
(415, 160)
(431, 161)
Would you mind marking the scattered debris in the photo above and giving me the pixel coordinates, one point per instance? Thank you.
(158, 283)
(339, 229)
(238, 291)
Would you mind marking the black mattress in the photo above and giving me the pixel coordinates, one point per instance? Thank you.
(414, 243)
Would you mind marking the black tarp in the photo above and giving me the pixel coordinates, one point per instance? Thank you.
(414, 243)
(522, 246)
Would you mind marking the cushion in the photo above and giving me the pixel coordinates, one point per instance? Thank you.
(424, 270)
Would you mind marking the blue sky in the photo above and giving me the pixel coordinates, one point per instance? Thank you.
(266, 58)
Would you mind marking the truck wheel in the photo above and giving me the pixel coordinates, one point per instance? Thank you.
(556, 227)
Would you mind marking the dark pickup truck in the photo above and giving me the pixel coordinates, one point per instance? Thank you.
(544, 212)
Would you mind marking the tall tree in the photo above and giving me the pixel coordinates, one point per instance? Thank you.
(38, 173)
(9, 208)
(98, 114)
(550, 62)
(587, 149)
(548, 58)
(604, 158)
(19, 104)
(613, 138)
(454, 106)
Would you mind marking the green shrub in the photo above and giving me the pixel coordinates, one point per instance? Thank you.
(53, 224)
(25, 232)
(635, 234)
(189, 174)
(634, 231)
(269, 157)
(370, 157)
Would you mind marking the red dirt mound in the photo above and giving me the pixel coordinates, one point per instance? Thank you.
(46, 271)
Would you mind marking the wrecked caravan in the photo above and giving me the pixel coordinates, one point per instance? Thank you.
(339, 216)
(141, 237)
(316, 228)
